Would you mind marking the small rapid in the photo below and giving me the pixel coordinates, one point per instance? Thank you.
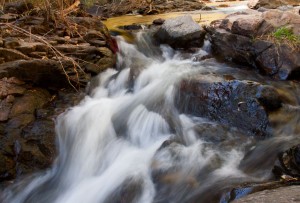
(128, 142)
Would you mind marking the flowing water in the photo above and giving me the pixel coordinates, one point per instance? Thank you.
(127, 142)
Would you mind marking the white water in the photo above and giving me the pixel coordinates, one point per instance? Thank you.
(110, 141)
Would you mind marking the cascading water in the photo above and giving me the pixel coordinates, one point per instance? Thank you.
(127, 142)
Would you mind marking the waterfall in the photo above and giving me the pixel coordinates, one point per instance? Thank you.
(127, 142)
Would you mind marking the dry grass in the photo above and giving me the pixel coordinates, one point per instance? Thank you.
(283, 35)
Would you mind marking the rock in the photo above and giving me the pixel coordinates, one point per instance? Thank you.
(10, 86)
(27, 104)
(12, 55)
(45, 73)
(1, 42)
(243, 39)
(8, 17)
(101, 65)
(28, 138)
(231, 47)
(91, 35)
(180, 32)
(281, 62)
(28, 47)
(255, 4)
(128, 191)
(19, 122)
(5, 107)
(17, 7)
(158, 21)
(38, 55)
(11, 42)
(247, 26)
(132, 27)
(241, 104)
(209, 8)
(288, 163)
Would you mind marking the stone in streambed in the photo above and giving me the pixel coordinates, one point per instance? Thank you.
(241, 104)
(180, 32)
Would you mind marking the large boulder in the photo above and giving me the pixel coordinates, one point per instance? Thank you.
(180, 32)
(237, 103)
(255, 4)
(247, 38)
(44, 73)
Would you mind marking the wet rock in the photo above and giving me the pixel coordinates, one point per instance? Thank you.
(274, 19)
(288, 163)
(132, 27)
(241, 104)
(247, 26)
(180, 32)
(45, 73)
(158, 21)
(255, 4)
(38, 55)
(129, 191)
(231, 47)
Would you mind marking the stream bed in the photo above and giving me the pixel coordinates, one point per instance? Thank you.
(166, 127)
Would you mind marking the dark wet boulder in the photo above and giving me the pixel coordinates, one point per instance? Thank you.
(158, 21)
(288, 164)
(180, 32)
(241, 104)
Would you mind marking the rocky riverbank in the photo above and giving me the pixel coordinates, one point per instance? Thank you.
(45, 62)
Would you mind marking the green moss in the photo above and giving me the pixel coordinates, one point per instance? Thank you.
(285, 34)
